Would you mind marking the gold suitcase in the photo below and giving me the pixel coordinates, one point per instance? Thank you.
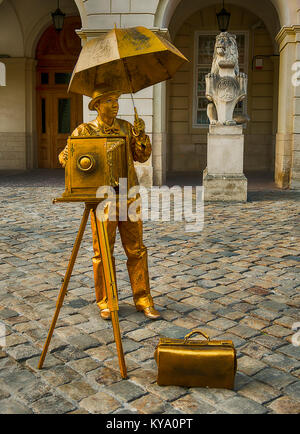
(196, 363)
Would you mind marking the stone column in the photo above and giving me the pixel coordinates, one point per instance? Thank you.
(223, 179)
(2, 74)
(159, 145)
(31, 128)
(287, 162)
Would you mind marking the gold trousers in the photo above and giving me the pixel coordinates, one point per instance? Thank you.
(137, 262)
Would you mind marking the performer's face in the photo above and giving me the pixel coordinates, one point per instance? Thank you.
(108, 107)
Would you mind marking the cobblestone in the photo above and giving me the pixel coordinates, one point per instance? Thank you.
(11, 406)
(241, 405)
(274, 377)
(58, 375)
(23, 352)
(100, 403)
(126, 391)
(234, 280)
(76, 390)
(52, 405)
(149, 404)
(168, 393)
(212, 396)
(250, 366)
(285, 405)
(189, 405)
(17, 379)
(293, 390)
(282, 362)
(259, 392)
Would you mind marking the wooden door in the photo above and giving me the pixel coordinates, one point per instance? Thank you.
(65, 120)
(59, 113)
(44, 130)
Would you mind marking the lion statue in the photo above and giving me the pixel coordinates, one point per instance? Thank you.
(226, 54)
(225, 85)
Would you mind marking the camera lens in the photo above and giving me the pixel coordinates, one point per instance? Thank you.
(85, 163)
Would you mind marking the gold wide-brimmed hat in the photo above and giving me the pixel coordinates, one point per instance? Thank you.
(99, 94)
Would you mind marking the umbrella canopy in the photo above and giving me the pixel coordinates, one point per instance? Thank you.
(127, 60)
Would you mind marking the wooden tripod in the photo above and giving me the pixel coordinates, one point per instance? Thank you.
(109, 277)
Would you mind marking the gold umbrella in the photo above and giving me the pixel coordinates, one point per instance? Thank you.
(127, 60)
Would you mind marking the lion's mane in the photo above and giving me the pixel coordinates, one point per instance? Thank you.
(228, 42)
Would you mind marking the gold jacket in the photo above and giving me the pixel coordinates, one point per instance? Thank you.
(138, 147)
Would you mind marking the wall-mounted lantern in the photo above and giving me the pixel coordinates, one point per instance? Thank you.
(223, 18)
(58, 18)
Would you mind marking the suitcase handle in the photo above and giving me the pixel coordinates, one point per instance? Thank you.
(194, 332)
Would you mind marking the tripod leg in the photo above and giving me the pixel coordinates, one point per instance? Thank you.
(64, 286)
(111, 289)
(118, 340)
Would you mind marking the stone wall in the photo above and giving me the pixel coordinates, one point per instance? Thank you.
(12, 151)
(13, 116)
(105, 14)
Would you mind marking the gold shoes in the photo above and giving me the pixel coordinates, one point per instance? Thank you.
(151, 313)
(105, 314)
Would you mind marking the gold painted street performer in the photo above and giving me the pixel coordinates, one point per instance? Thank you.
(138, 148)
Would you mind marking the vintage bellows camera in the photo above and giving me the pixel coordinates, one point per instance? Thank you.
(93, 162)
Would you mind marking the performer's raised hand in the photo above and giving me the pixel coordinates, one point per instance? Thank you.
(139, 125)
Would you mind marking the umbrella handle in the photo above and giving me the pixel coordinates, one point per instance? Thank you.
(134, 107)
(136, 116)
(130, 84)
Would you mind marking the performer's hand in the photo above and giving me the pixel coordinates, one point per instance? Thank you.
(139, 125)
(63, 157)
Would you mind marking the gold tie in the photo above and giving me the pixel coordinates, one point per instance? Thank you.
(110, 130)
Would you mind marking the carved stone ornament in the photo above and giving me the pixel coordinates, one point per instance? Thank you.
(225, 85)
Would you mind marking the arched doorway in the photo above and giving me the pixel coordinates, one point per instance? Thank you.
(187, 119)
(58, 112)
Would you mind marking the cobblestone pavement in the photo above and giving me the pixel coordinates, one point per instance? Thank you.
(237, 279)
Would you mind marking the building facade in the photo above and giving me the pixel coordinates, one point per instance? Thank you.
(37, 114)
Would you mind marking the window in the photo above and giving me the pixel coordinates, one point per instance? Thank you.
(43, 116)
(44, 78)
(62, 77)
(64, 116)
(204, 50)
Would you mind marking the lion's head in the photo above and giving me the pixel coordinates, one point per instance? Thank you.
(226, 53)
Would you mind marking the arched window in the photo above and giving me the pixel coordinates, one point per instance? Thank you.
(2, 74)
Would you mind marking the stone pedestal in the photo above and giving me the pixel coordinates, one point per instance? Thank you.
(144, 174)
(223, 179)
